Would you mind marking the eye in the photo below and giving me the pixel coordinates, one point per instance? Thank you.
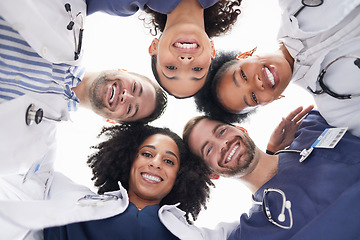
(208, 151)
(222, 131)
(129, 109)
(171, 67)
(254, 98)
(168, 161)
(197, 69)
(134, 87)
(243, 75)
(146, 154)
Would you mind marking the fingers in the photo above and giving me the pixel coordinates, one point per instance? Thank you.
(298, 114)
(294, 113)
(299, 117)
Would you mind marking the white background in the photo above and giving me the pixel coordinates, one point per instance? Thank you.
(116, 42)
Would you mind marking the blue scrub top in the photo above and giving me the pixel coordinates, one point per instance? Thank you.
(130, 225)
(315, 187)
(130, 7)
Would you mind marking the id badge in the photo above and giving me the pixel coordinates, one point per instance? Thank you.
(329, 138)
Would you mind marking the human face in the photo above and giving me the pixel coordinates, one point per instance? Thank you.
(183, 59)
(153, 173)
(227, 150)
(253, 81)
(122, 96)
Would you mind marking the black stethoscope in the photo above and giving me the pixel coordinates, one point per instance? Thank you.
(70, 27)
(309, 3)
(325, 89)
(36, 115)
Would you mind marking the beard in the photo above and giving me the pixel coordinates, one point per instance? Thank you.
(241, 166)
(97, 91)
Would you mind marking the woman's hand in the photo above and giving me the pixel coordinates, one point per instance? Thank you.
(284, 133)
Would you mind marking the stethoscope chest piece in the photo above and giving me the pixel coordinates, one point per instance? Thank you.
(33, 115)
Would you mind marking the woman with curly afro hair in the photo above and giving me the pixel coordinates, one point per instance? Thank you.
(160, 181)
(181, 56)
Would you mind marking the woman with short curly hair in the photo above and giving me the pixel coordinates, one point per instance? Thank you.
(156, 181)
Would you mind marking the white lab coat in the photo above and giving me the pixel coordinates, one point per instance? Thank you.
(42, 23)
(316, 37)
(63, 207)
(23, 146)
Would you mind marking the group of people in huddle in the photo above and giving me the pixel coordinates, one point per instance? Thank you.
(152, 183)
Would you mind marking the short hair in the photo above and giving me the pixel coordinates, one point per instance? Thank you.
(160, 102)
(189, 126)
(207, 100)
(114, 157)
(218, 18)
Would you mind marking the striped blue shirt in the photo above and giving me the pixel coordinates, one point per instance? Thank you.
(22, 70)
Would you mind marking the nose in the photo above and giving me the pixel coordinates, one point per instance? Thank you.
(125, 96)
(186, 59)
(258, 83)
(223, 146)
(155, 162)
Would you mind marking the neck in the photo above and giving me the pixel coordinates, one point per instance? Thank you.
(82, 90)
(183, 11)
(140, 203)
(283, 50)
(265, 169)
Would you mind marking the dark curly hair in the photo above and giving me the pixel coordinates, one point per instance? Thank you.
(206, 99)
(114, 157)
(218, 18)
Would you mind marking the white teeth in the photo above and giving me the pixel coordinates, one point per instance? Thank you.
(186, 45)
(151, 177)
(112, 94)
(270, 76)
(232, 152)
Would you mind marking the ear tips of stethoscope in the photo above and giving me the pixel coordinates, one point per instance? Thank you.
(281, 217)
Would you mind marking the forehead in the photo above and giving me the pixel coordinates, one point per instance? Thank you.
(162, 143)
(183, 86)
(202, 132)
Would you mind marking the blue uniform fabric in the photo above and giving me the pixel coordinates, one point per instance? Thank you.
(319, 188)
(130, 225)
(130, 7)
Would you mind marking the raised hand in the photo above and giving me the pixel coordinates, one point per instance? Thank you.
(284, 133)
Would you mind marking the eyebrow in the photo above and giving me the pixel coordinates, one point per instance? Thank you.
(235, 80)
(141, 90)
(177, 78)
(238, 85)
(170, 78)
(153, 147)
(213, 132)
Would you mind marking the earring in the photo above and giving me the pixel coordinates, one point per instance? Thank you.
(280, 97)
(242, 129)
(246, 54)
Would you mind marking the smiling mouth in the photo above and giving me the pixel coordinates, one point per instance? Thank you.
(151, 178)
(231, 154)
(270, 77)
(186, 45)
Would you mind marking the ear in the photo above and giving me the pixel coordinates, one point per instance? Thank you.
(212, 49)
(214, 176)
(153, 47)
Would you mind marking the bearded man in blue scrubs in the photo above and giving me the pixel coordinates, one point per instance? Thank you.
(308, 191)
